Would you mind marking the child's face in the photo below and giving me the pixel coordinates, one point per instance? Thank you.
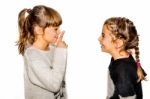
(51, 34)
(105, 40)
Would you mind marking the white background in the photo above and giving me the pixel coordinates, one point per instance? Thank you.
(82, 21)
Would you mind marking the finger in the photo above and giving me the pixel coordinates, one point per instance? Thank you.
(61, 35)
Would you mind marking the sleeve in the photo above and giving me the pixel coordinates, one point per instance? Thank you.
(124, 82)
(40, 73)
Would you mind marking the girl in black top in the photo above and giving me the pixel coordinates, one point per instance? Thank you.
(119, 38)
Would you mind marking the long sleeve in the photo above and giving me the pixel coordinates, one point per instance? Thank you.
(46, 71)
(125, 81)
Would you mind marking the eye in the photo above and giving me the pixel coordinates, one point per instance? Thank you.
(103, 35)
(56, 29)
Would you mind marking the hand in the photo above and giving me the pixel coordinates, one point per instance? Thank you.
(60, 43)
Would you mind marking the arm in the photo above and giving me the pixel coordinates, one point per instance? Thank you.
(124, 82)
(40, 73)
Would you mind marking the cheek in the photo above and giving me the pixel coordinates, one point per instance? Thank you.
(53, 36)
(53, 33)
(103, 41)
(50, 34)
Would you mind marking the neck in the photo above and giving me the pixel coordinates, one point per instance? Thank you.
(120, 54)
(41, 44)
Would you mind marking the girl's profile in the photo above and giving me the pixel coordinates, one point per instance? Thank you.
(119, 38)
(44, 53)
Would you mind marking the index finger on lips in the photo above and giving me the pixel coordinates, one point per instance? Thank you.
(61, 36)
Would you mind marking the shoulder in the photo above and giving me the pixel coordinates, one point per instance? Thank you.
(126, 63)
(34, 53)
(126, 68)
(31, 51)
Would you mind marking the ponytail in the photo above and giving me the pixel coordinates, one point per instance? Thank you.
(23, 32)
(137, 54)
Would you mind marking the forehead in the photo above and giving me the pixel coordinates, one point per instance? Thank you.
(105, 30)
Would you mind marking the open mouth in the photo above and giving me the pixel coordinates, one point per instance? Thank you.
(102, 46)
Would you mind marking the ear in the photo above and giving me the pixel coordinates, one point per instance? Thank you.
(119, 43)
(38, 30)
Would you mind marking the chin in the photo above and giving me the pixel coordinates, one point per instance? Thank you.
(104, 50)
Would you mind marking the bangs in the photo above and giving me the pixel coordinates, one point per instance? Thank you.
(46, 16)
(53, 19)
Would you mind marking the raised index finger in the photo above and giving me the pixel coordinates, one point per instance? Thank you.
(61, 36)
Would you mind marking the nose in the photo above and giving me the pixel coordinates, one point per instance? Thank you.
(99, 39)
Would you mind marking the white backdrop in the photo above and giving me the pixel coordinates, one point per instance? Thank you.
(82, 20)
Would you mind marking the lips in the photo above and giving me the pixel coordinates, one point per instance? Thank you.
(102, 46)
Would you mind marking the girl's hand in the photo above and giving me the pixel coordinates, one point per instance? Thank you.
(60, 43)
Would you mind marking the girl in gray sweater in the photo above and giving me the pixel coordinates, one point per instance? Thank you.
(44, 52)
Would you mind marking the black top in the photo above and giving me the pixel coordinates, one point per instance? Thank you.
(123, 73)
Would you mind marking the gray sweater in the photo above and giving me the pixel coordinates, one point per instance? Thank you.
(44, 73)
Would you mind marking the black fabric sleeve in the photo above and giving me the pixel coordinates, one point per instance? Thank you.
(125, 79)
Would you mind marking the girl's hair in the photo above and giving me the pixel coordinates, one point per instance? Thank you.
(123, 28)
(40, 15)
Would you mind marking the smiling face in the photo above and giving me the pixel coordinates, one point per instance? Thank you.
(106, 41)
